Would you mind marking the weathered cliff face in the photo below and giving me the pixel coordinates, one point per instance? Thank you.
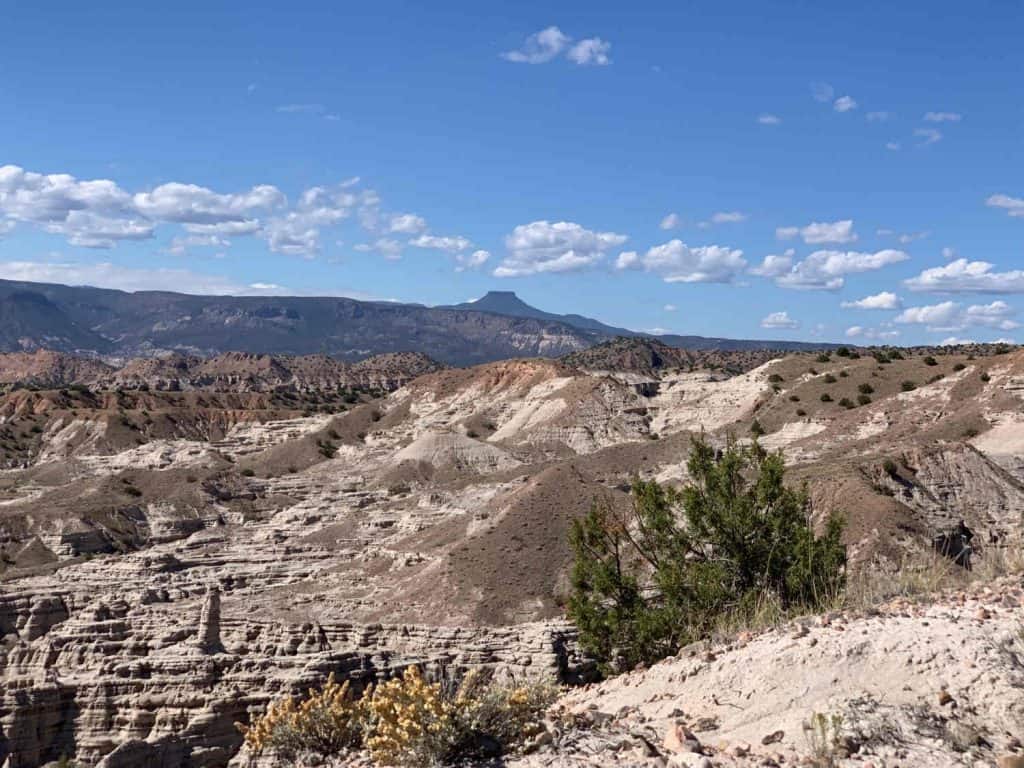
(81, 675)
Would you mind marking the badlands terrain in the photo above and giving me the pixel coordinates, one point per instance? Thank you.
(184, 539)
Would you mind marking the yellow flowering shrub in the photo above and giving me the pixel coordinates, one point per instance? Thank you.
(406, 721)
(328, 721)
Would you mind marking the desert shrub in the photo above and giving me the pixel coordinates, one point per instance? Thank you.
(959, 367)
(846, 402)
(985, 377)
(756, 429)
(329, 722)
(416, 723)
(842, 352)
(801, 412)
(775, 379)
(890, 468)
(824, 735)
(843, 374)
(823, 358)
(863, 399)
(895, 354)
(969, 433)
(649, 580)
(405, 721)
(327, 449)
(908, 386)
(826, 397)
(829, 378)
(866, 389)
(794, 399)
(248, 472)
(881, 357)
(929, 360)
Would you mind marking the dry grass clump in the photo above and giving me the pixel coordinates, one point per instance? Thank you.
(406, 721)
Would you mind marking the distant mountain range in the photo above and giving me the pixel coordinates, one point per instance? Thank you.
(110, 323)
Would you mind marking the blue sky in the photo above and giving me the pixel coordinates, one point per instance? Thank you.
(637, 163)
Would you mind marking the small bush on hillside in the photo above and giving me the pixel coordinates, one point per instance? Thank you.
(823, 358)
(985, 377)
(775, 378)
(866, 389)
(756, 429)
(829, 378)
(843, 374)
(801, 412)
(908, 386)
(846, 403)
(863, 399)
(959, 367)
(248, 472)
(405, 721)
(842, 352)
(929, 360)
(826, 397)
(647, 581)
(890, 468)
(895, 354)
(794, 399)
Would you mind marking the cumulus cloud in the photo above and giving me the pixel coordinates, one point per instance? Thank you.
(818, 232)
(963, 276)
(407, 224)
(779, 320)
(456, 244)
(942, 117)
(1014, 206)
(192, 204)
(540, 47)
(883, 300)
(769, 119)
(563, 246)
(474, 260)
(677, 262)
(955, 341)
(860, 332)
(844, 104)
(590, 52)
(775, 265)
(728, 217)
(826, 270)
(928, 135)
(385, 246)
(671, 221)
(952, 316)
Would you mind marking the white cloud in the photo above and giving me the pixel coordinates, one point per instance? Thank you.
(107, 275)
(670, 222)
(883, 300)
(893, 146)
(90, 230)
(1014, 206)
(590, 52)
(563, 246)
(677, 262)
(860, 332)
(955, 341)
(908, 237)
(385, 246)
(826, 270)
(942, 117)
(928, 135)
(822, 92)
(474, 260)
(948, 253)
(670, 308)
(769, 119)
(192, 204)
(877, 117)
(226, 228)
(728, 217)
(180, 245)
(7, 226)
(539, 47)
(820, 232)
(775, 265)
(963, 276)
(844, 104)
(951, 316)
(779, 320)
(456, 244)
(407, 224)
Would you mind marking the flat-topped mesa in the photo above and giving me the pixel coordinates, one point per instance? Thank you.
(208, 638)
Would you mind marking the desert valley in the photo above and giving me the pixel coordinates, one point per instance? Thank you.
(185, 539)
